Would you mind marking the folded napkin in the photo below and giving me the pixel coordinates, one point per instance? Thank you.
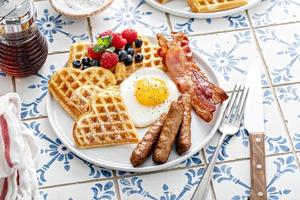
(18, 153)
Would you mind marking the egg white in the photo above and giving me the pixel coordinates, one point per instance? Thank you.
(141, 115)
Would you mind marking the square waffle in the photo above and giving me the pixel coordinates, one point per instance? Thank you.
(107, 123)
(65, 81)
(206, 6)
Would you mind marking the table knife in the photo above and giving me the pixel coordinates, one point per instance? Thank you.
(254, 124)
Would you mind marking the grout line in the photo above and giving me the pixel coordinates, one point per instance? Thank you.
(286, 84)
(275, 25)
(14, 84)
(218, 32)
(90, 30)
(117, 188)
(169, 22)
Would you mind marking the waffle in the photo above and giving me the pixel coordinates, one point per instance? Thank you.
(77, 52)
(65, 81)
(206, 6)
(107, 123)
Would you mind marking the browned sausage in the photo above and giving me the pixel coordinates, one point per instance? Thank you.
(183, 140)
(147, 144)
(168, 133)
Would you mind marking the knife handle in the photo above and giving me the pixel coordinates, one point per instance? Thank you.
(258, 167)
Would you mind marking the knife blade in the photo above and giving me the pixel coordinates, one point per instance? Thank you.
(254, 123)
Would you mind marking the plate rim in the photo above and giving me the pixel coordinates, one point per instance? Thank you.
(218, 14)
(105, 164)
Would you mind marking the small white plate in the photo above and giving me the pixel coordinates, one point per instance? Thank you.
(117, 157)
(182, 9)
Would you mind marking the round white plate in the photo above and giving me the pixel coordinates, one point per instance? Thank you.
(117, 157)
(182, 9)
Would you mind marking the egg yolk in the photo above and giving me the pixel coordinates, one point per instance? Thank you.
(151, 91)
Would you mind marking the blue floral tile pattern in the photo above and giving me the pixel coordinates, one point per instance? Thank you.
(60, 31)
(151, 186)
(57, 161)
(34, 89)
(235, 177)
(131, 13)
(230, 55)
(6, 84)
(289, 99)
(103, 190)
(280, 47)
(199, 26)
(276, 139)
(275, 12)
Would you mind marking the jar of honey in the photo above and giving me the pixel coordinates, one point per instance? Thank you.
(23, 49)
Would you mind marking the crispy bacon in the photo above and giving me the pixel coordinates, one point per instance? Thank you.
(187, 75)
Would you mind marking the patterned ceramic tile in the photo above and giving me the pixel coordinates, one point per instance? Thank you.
(229, 55)
(60, 31)
(57, 165)
(178, 184)
(275, 12)
(276, 140)
(280, 47)
(6, 84)
(33, 89)
(283, 179)
(197, 26)
(289, 99)
(96, 190)
(130, 13)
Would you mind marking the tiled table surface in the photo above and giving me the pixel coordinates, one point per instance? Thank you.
(267, 35)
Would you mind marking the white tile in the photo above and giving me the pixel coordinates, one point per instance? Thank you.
(276, 138)
(130, 13)
(275, 12)
(232, 180)
(289, 99)
(6, 84)
(94, 190)
(197, 26)
(34, 89)
(280, 47)
(179, 184)
(230, 55)
(60, 31)
(57, 165)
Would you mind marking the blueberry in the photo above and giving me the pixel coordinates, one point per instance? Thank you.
(76, 64)
(127, 46)
(138, 43)
(128, 60)
(86, 61)
(95, 62)
(85, 67)
(138, 57)
(130, 51)
(122, 55)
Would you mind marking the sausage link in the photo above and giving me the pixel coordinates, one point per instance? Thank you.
(147, 144)
(168, 134)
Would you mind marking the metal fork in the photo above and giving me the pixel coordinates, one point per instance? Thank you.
(230, 125)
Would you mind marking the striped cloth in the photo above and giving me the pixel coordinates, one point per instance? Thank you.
(18, 153)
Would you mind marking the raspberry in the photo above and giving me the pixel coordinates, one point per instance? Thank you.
(118, 41)
(109, 32)
(93, 54)
(109, 60)
(130, 35)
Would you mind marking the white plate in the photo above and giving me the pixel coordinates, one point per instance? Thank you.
(117, 157)
(181, 8)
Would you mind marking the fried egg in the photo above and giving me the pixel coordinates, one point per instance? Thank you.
(147, 93)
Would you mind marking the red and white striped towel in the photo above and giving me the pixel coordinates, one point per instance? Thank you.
(18, 153)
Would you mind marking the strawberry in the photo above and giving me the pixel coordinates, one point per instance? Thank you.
(106, 33)
(118, 41)
(130, 35)
(109, 59)
(94, 54)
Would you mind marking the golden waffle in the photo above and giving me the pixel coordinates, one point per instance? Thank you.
(206, 6)
(151, 59)
(107, 123)
(65, 81)
(77, 52)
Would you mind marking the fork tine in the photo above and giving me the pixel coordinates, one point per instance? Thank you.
(241, 114)
(229, 102)
(240, 102)
(234, 104)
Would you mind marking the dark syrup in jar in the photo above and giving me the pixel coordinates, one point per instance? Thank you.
(23, 53)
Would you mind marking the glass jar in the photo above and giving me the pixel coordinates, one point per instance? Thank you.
(23, 49)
